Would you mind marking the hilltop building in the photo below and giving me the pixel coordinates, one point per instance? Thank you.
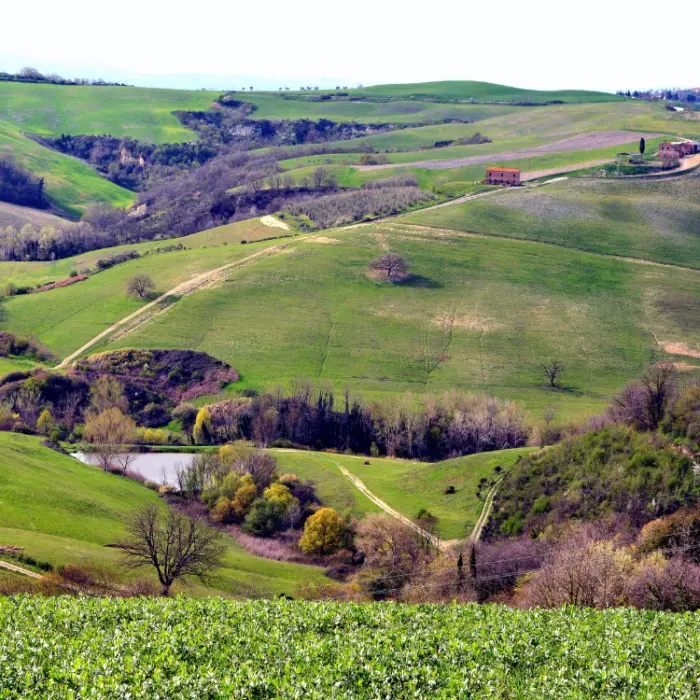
(677, 149)
(502, 176)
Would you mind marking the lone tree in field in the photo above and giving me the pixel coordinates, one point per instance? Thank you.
(175, 545)
(553, 372)
(395, 267)
(642, 145)
(140, 285)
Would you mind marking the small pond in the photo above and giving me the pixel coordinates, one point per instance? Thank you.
(155, 466)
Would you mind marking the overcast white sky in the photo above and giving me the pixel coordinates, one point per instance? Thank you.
(540, 44)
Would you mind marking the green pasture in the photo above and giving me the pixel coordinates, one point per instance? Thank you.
(653, 220)
(64, 319)
(404, 485)
(481, 91)
(332, 487)
(63, 511)
(478, 313)
(36, 273)
(140, 113)
(70, 185)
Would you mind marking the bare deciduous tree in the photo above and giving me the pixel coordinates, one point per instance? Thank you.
(140, 285)
(552, 372)
(29, 404)
(175, 545)
(659, 383)
(395, 267)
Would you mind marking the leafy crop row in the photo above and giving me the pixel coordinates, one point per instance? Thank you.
(189, 648)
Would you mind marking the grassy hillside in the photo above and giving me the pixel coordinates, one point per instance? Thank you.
(486, 92)
(17, 216)
(70, 185)
(66, 318)
(652, 220)
(221, 649)
(274, 106)
(62, 511)
(478, 314)
(38, 272)
(405, 486)
(141, 113)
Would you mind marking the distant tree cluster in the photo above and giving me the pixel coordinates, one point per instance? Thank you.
(32, 75)
(689, 95)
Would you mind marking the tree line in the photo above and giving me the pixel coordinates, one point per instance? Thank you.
(429, 429)
(32, 75)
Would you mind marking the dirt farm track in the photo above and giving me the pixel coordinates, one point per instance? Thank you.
(581, 142)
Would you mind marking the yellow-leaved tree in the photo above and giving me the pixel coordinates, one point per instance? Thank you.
(323, 532)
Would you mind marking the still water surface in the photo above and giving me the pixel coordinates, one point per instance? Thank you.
(158, 467)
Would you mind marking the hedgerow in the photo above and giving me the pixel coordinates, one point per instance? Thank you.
(213, 648)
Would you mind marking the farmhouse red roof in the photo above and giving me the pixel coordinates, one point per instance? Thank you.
(504, 170)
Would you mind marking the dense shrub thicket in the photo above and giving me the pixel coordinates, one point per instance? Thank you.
(374, 200)
(613, 470)
(213, 648)
(19, 186)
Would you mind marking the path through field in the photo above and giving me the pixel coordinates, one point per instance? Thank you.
(18, 569)
(582, 142)
(485, 512)
(151, 309)
(360, 486)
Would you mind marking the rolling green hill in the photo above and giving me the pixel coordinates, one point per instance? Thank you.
(405, 486)
(63, 511)
(70, 184)
(486, 92)
(141, 113)
(654, 220)
(478, 314)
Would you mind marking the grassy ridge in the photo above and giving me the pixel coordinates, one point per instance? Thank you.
(476, 90)
(221, 649)
(140, 113)
(652, 220)
(64, 511)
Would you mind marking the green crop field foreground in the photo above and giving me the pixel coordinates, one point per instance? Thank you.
(141, 648)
